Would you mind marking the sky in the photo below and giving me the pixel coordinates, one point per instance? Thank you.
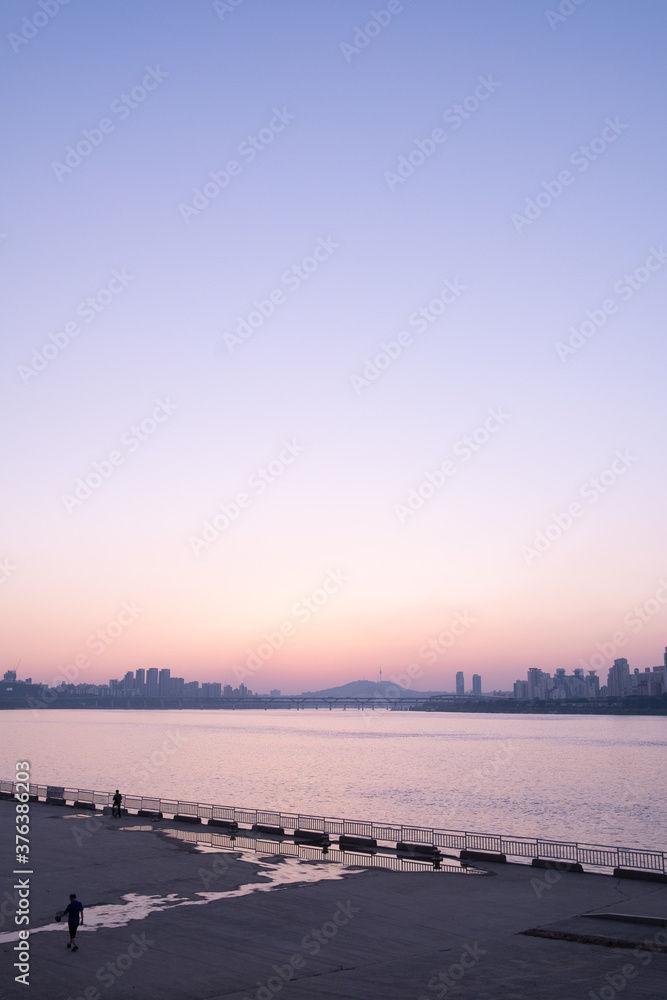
(333, 339)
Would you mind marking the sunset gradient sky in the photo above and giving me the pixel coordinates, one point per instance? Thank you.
(366, 197)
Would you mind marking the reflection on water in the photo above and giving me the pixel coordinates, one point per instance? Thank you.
(278, 865)
(214, 842)
(86, 815)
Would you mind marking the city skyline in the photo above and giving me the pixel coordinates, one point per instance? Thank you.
(154, 682)
(81, 670)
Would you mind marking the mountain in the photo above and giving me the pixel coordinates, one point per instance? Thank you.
(366, 689)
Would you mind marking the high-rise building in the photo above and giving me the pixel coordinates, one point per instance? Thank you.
(592, 685)
(175, 686)
(152, 684)
(10, 675)
(213, 690)
(659, 680)
(476, 684)
(140, 681)
(460, 683)
(537, 683)
(163, 682)
(618, 680)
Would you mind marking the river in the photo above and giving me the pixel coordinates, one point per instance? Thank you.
(592, 779)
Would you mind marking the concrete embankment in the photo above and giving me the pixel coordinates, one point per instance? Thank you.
(361, 934)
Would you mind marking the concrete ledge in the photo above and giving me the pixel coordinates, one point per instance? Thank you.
(466, 855)
(33, 798)
(226, 824)
(629, 918)
(6, 795)
(424, 850)
(185, 818)
(83, 805)
(276, 831)
(557, 866)
(599, 939)
(55, 802)
(349, 840)
(149, 813)
(107, 811)
(312, 836)
(636, 873)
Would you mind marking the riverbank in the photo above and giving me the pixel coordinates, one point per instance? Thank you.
(416, 703)
(567, 706)
(211, 932)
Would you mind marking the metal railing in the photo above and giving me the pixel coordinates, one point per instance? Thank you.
(517, 848)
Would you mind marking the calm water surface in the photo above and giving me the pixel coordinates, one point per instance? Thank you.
(592, 779)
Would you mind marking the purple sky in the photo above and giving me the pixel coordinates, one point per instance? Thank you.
(333, 327)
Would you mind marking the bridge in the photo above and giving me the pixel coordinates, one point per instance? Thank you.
(299, 702)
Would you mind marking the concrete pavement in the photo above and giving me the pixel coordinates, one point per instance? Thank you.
(370, 934)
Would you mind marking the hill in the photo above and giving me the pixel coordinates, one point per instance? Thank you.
(367, 689)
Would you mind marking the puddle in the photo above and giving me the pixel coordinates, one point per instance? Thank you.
(86, 815)
(278, 863)
(277, 875)
(205, 841)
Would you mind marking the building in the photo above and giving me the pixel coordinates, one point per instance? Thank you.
(544, 687)
(660, 676)
(152, 688)
(275, 693)
(477, 684)
(211, 690)
(592, 684)
(619, 684)
(538, 682)
(140, 682)
(175, 687)
(649, 684)
(10, 675)
(163, 682)
(575, 685)
(460, 683)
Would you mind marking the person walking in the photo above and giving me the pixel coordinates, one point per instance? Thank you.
(115, 808)
(74, 913)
